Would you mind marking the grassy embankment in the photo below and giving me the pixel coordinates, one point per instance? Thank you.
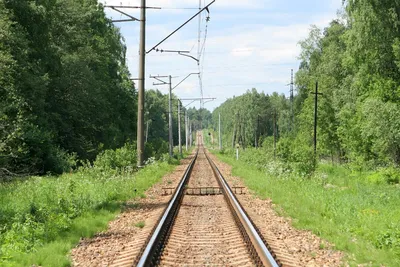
(42, 218)
(357, 211)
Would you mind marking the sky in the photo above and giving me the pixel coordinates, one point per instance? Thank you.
(248, 44)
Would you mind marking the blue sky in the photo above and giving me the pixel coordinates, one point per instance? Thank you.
(249, 44)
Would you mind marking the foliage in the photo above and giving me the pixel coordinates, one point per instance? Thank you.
(343, 207)
(356, 63)
(64, 85)
(156, 122)
(122, 159)
(244, 119)
(39, 211)
(200, 118)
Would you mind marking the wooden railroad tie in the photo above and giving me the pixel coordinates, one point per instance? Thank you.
(203, 190)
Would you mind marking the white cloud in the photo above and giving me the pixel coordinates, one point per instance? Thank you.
(238, 57)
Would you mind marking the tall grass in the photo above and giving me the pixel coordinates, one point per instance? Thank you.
(357, 211)
(41, 218)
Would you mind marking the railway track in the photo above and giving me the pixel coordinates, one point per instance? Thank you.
(206, 227)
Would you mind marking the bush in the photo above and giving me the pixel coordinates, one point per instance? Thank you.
(283, 149)
(222, 151)
(121, 159)
(376, 178)
(389, 239)
(156, 148)
(297, 154)
(59, 161)
(303, 160)
(391, 175)
(39, 210)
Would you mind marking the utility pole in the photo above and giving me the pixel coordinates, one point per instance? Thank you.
(275, 133)
(291, 101)
(234, 130)
(190, 134)
(142, 55)
(170, 138)
(141, 78)
(147, 130)
(219, 131)
(316, 116)
(257, 130)
(179, 128)
(186, 129)
(171, 145)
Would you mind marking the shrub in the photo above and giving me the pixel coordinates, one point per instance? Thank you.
(121, 159)
(391, 175)
(304, 160)
(38, 210)
(389, 239)
(156, 148)
(376, 178)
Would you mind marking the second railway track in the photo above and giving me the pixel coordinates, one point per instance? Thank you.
(204, 225)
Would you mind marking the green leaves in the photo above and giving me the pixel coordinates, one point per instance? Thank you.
(64, 85)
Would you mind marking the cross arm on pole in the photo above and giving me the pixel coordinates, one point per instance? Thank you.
(316, 90)
(170, 51)
(181, 53)
(123, 20)
(199, 98)
(132, 7)
(123, 13)
(192, 57)
(158, 78)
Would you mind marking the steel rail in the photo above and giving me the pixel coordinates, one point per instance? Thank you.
(164, 225)
(263, 253)
(250, 233)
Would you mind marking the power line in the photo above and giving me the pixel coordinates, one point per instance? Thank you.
(202, 54)
(180, 27)
(199, 56)
(179, 8)
(234, 51)
(237, 84)
(240, 67)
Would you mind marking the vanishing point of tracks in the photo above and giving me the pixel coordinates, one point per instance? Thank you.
(205, 225)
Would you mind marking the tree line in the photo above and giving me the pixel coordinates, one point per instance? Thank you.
(156, 122)
(356, 61)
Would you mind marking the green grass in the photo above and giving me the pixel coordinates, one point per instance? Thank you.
(360, 217)
(42, 218)
(55, 253)
(140, 224)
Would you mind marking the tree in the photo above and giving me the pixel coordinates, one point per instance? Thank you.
(68, 89)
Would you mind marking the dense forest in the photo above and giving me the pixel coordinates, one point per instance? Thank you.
(65, 90)
(356, 62)
(64, 86)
